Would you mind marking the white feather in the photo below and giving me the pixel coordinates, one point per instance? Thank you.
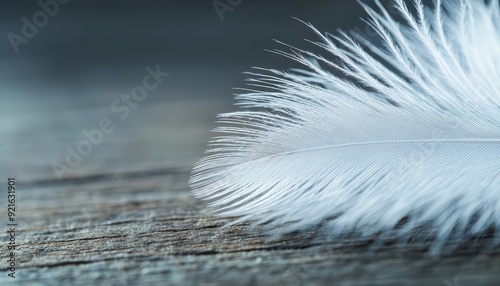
(405, 141)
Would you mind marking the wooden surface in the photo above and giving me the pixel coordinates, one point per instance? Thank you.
(126, 217)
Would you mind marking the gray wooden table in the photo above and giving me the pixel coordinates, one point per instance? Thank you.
(125, 215)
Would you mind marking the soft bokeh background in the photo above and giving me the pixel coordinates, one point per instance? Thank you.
(65, 79)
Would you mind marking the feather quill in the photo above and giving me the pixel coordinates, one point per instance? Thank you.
(400, 139)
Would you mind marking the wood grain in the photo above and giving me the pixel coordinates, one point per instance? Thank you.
(121, 220)
(145, 228)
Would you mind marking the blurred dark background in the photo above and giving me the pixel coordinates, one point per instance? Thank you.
(90, 52)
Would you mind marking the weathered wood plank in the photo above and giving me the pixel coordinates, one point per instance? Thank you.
(144, 228)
